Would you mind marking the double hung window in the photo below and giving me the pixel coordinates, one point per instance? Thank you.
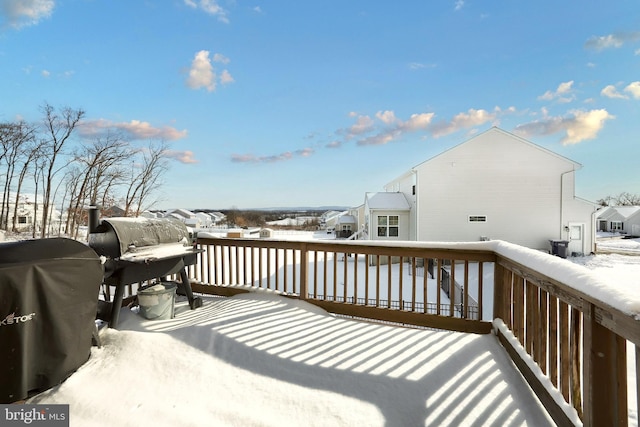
(388, 226)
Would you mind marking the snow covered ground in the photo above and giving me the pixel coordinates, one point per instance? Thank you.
(260, 359)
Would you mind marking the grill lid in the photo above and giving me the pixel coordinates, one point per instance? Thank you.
(135, 233)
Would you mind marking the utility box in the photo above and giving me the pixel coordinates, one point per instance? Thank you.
(48, 302)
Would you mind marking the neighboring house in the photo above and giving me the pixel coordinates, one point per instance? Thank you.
(217, 217)
(496, 185)
(329, 219)
(619, 219)
(112, 212)
(150, 214)
(346, 225)
(205, 219)
(189, 218)
(181, 214)
(28, 214)
(386, 216)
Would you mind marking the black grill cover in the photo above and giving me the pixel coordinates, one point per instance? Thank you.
(48, 301)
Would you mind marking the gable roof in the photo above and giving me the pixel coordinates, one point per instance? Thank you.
(624, 212)
(347, 219)
(388, 200)
(495, 129)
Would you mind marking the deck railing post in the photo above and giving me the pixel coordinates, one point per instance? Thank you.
(605, 374)
(498, 293)
(304, 279)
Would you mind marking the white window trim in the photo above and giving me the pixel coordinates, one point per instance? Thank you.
(388, 226)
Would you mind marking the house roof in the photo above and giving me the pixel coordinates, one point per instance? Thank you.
(495, 129)
(182, 212)
(347, 219)
(623, 211)
(387, 200)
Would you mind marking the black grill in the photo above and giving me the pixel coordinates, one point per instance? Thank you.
(141, 249)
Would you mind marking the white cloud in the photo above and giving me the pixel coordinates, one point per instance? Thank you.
(611, 41)
(185, 157)
(466, 120)
(363, 125)
(287, 155)
(563, 93)
(226, 78)
(386, 117)
(610, 91)
(201, 74)
(381, 138)
(45, 73)
(218, 57)
(211, 7)
(417, 122)
(633, 89)
(459, 4)
(135, 129)
(577, 127)
(21, 13)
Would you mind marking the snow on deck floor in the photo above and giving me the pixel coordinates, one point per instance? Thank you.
(260, 359)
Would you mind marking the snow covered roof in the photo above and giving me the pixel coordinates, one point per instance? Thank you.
(621, 211)
(347, 219)
(182, 212)
(385, 200)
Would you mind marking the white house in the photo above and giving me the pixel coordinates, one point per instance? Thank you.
(386, 216)
(619, 219)
(29, 213)
(496, 185)
(329, 219)
(205, 219)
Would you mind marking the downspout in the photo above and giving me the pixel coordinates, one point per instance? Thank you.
(562, 200)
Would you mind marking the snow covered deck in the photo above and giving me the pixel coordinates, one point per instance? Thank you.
(260, 359)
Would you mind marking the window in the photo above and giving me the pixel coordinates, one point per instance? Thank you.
(477, 218)
(23, 220)
(616, 225)
(388, 226)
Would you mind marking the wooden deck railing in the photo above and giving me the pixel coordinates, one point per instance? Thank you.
(572, 339)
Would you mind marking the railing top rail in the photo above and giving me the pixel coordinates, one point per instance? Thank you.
(462, 251)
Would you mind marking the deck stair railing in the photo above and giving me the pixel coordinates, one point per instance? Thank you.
(564, 340)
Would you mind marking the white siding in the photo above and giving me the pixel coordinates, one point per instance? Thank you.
(403, 221)
(515, 184)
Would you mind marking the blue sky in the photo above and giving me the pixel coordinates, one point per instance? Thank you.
(312, 103)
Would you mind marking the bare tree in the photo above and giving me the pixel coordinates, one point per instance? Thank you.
(38, 174)
(101, 162)
(147, 178)
(628, 199)
(30, 155)
(622, 199)
(58, 129)
(14, 139)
